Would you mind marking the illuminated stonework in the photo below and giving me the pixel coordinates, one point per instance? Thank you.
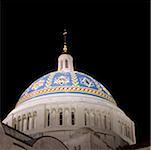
(66, 82)
(72, 109)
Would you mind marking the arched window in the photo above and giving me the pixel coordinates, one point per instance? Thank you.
(109, 123)
(66, 63)
(34, 120)
(72, 118)
(19, 123)
(14, 123)
(28, 123)
(60, 118)
(48, 119)
(105, 124)
(85, 119)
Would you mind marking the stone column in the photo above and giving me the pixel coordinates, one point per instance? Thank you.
(24, 124)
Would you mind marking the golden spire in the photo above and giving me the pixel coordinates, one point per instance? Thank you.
(65, 41)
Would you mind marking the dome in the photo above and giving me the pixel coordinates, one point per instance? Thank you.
(66, 104)
(65, 82)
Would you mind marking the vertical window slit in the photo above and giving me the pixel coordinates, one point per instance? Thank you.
(48, 123)
(61, 117)
(105, 125)
(72, 118)
(85, 119)
(66, 63)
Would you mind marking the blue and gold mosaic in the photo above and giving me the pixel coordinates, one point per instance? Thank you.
(66, 82)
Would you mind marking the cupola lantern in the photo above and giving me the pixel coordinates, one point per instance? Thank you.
(65, 60)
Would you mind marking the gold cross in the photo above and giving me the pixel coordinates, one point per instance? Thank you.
(65, 41)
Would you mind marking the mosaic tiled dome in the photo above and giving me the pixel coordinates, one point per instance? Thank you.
(65, 82)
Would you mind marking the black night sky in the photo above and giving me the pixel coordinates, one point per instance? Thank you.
(108, 40)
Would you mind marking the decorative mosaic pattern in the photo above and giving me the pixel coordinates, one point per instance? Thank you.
(86, 81)
(62, 79)
(49, 80)
(38, 85)
(70, 82)
(74, 79)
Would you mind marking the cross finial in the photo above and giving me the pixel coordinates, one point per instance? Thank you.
(65, 41)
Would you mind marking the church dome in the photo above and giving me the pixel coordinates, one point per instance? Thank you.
(65, 82)
(71, 106)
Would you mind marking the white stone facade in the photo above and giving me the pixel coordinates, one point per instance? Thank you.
(73, 108)
(78, 111)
